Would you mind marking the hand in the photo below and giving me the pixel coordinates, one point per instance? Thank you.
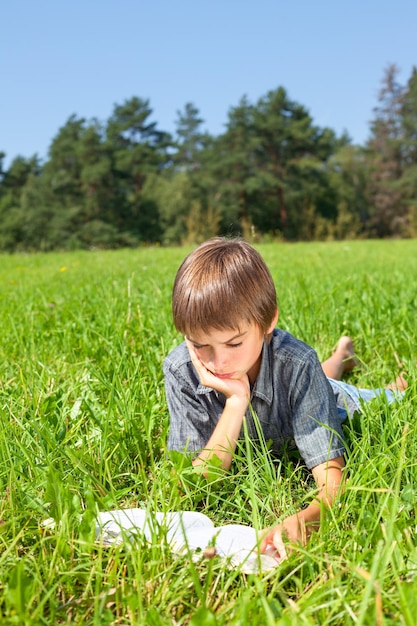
(278, 539)
(229, 387)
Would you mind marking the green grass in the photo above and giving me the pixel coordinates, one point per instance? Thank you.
(84, 426)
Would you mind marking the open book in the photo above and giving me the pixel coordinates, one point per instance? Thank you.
(188, 532)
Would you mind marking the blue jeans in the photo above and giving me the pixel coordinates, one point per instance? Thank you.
(350, 398)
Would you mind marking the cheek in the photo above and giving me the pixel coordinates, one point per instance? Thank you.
(240, 357)
(254, 349)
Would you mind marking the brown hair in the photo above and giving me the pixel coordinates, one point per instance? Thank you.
(220, 284)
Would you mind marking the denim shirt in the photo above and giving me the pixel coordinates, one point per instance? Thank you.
(291, 397)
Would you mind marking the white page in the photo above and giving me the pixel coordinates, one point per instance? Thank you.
(187, 531)
(238, 542)
(112, 525)
(227, 539)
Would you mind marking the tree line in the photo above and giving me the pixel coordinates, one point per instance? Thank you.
(272, 174)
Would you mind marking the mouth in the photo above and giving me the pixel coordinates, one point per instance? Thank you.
(224, 376)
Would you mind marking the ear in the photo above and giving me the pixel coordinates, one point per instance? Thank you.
(273, 323)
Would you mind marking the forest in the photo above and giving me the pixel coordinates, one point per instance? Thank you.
(272, 175)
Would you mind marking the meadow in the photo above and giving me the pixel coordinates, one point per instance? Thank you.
(84, 426)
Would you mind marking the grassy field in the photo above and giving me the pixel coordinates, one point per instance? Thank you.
(84, 426)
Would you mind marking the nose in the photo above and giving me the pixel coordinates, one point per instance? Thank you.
(217, 360)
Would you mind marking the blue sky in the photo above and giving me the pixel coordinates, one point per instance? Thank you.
(58, 58)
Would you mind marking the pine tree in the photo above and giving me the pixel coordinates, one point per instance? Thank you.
(385, 158)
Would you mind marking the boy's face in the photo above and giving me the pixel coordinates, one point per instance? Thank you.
(230, 354)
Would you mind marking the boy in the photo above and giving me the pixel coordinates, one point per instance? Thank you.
(234, 360)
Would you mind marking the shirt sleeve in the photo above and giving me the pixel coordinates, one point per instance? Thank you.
(317, 426)
(192, 419)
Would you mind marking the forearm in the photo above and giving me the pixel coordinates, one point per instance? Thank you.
(328, 477)
(308, 519)
(222, 442)
(298, 527)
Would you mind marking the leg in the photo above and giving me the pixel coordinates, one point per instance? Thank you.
(342, 359)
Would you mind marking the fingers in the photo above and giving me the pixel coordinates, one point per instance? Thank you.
(205, 376)
(195, 360)
(192, 352)
(273, 542)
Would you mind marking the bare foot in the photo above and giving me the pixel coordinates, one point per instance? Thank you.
(347, 351)
(399, 384)
(342, 360)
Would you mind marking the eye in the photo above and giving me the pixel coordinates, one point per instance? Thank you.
(234, 345)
